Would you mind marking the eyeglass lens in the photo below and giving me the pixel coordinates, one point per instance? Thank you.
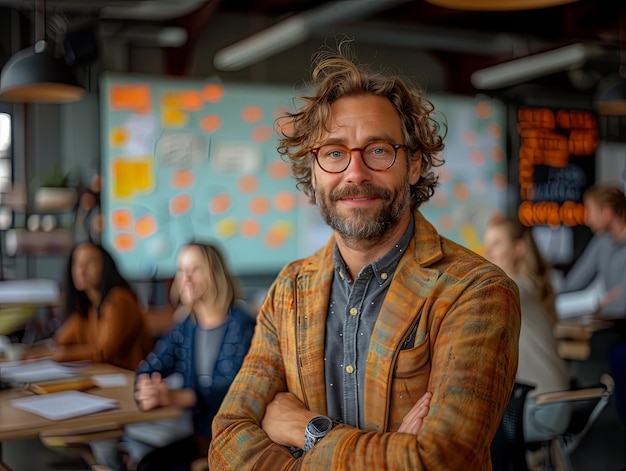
(376, 155)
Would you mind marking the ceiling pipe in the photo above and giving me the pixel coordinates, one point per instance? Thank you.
(444, 39)
(144, 34)
(147, 10)
(534, 66)
(293, 31)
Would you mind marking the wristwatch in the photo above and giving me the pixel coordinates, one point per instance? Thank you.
(315, 430)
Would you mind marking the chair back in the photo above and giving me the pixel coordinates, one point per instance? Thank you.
(508, 449)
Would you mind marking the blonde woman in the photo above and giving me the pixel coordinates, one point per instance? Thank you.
(510, 245)
(206, 350)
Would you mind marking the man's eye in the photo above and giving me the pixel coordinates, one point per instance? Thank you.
(335, 153)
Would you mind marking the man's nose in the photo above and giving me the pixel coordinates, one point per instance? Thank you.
(357, 171)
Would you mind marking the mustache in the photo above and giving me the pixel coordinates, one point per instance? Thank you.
(355, 190)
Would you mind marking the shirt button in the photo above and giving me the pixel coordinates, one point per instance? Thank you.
(350, 369)
(384, 276)
(353, 311)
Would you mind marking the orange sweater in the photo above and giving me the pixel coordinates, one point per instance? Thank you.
(118, 335)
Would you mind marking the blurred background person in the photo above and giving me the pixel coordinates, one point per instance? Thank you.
(604, 257)
(105, 322)
(510, 245)
(206, 350)
(604, 262)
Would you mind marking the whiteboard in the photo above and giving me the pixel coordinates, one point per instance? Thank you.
(187, 160)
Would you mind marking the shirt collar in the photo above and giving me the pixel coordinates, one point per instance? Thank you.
(381, 268)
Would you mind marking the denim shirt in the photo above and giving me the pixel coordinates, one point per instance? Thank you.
(352, 313)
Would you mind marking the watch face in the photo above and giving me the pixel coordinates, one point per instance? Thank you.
(316, 429)
(319, 426)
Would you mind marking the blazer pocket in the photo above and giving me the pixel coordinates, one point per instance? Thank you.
(411, 361)
(410, 381)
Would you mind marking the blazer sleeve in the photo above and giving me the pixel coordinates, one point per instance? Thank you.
(239, 418)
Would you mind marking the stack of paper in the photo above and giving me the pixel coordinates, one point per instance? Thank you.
(35, 372)
(64, 405)
(580, 303)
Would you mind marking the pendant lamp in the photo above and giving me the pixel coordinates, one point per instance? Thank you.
(611, 96)
(498, 5)
(34, 75)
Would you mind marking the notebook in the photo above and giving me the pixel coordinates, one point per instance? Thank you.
(64, 405)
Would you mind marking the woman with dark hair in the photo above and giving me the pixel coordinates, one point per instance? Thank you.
(105, 323)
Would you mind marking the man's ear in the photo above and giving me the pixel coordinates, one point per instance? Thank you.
(415, 167)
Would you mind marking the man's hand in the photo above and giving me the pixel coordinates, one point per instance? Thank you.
(412, 422)
(151, 391)
(610, 296)
(285, 420)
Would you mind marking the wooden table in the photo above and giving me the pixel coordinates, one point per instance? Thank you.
(574, 335)
(17, 424)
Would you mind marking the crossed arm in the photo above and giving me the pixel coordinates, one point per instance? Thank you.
(469, 371)
(286, 417)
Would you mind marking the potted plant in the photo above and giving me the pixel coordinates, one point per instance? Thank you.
(56, 191)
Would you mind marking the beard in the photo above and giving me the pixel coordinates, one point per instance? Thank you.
(359, 223)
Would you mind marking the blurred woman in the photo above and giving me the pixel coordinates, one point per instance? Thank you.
(510, 245)
(105, 323)
(206, 349)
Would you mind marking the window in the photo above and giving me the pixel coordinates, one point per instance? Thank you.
(6, 167)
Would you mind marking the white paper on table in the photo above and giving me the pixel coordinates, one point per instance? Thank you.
(64, 405)
(109, 381)
(23, 372)
(580, 303)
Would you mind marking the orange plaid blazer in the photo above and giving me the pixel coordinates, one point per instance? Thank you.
(468, 319)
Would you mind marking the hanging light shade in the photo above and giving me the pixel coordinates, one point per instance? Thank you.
(34, 75)
(498, 5)
(610, 98)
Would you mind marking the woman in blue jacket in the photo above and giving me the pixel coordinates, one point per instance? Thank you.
(206, 350)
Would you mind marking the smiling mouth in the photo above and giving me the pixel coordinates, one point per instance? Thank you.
(360, 198)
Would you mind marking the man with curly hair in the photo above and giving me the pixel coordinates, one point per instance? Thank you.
(391, 347)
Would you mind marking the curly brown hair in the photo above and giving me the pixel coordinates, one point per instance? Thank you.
(337, 74)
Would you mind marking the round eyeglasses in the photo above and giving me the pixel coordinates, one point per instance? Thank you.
(335, 158)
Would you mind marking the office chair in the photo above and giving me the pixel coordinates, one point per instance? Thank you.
(588, 404)
(508, 448)
(74, 443)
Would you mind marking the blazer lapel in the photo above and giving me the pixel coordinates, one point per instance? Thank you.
(400, 313)
(312, 308)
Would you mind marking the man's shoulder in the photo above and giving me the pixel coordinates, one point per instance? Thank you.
(311, 263)
(468, 267)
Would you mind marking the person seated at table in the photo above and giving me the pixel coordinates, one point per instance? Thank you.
(207, 349)
(604, 257)
(510, 245)
(105, 322)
